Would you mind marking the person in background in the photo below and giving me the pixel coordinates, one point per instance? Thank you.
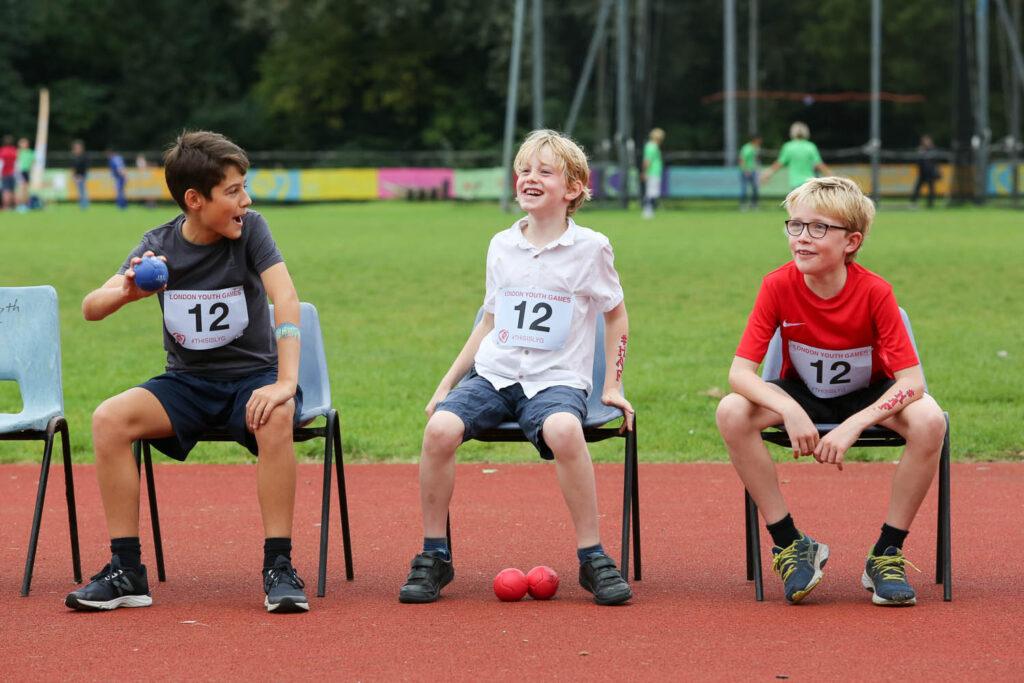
(927, 171)
(748, 160)
(116, 163)
(79, 172)
(800, 156)
(23, 166)
(652, 171)
(8, 161)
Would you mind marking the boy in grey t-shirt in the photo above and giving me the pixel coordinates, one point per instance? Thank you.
(224, 369)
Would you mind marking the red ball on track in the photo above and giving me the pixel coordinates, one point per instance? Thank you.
(542, 582)
(510, 585)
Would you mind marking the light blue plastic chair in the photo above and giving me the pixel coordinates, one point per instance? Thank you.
(598, 415)
(316, 402)
(30, 356)
(872, 437)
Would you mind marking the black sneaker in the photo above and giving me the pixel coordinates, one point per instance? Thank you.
(430, 573)
(600, 576)
(115, 586)
(284, 588)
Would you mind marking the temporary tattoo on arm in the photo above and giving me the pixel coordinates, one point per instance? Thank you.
(897, 400)
(620, 362)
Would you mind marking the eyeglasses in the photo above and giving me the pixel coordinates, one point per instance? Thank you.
(815, 230)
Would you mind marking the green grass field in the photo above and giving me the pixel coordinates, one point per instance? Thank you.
(397, 286)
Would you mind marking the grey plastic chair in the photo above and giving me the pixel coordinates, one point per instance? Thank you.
(316, 402)
(30, 356)
(870, 438)
(598, 415)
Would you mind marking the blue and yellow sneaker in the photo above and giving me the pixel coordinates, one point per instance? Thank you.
(885, 576)
(799, 565)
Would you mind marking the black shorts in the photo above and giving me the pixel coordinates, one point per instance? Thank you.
(7, 183)
(196, 404)
(832, 410)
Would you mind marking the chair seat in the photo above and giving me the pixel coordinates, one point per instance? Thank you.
(595, 418)
(872, 436)
(26, 421)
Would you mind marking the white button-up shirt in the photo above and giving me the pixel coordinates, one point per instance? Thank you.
(580, 262)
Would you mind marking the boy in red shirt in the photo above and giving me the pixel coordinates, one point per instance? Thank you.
(846, 359)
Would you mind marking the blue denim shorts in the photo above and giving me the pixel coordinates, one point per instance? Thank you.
(196, 404)
(481, 407)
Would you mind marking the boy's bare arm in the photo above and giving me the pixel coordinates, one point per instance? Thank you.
(463, 362)
(745, 381)
(908, 388)
(114, 293)
(278, 284)
(616, 338)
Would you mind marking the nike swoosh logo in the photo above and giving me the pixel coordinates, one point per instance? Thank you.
(789, 324)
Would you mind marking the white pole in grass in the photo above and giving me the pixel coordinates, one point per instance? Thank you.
(538, 64)
(35, 182)
(752, 70)
(624, 134)
(875, 143)
(982, 132)
(729, 83)
(510, 104)
(588, 66)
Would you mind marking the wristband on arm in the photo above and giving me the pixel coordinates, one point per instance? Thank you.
(286, 330)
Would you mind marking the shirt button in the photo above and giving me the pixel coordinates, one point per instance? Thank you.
(536, 256)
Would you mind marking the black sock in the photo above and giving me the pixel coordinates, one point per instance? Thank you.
(128, 550)
(272, 547)
(583, 553)
(439, 546)
(891, 536)
(784, 532)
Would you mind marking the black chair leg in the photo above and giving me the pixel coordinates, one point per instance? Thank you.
(37, 515)
(627, 505)
(154, 511)
(746, 535)
(754, 547)
(636, 507)
(325, 510)
(448, 533)
(943, 550)
(69, 495)
(339, 464)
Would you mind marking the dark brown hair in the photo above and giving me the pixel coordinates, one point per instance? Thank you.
(197, 160)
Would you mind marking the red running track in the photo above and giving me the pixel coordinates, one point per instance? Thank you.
(694, 615)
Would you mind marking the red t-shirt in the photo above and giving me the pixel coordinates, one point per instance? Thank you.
(8, 157)
(835, 346)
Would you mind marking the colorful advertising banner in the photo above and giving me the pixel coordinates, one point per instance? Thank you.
(414, 183)
(478, 183)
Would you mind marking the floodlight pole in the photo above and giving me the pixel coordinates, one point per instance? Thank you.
(729, 111)
(875, 144)
(588, 65)
(538, 64)
(625, 126)
(510, 103)
(752, 70)
(982, 132)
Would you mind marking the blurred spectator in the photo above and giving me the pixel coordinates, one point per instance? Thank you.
(26, 157)
(116, 163)
(927, 170)
(800, 156)
(80, 171)
(8, 162)
(749, 161)
(651, 172)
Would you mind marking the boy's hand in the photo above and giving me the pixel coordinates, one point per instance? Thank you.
(803, 435)
(439, 395)
(833, 446)
(130, 290)
(613, 397)
(263, 401)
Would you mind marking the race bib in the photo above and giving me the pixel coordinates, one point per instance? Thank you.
(533, 318)
(828, 373)
(200, 319)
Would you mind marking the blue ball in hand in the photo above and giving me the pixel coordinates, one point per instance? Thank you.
(151, 273)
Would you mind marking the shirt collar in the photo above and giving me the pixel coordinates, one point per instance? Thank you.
(566, 239)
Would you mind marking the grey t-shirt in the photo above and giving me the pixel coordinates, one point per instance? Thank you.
(216, 316)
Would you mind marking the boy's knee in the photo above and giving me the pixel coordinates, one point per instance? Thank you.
(108, 421)
(930, 427)
(562, 431)
(732, 414)
(443, 430)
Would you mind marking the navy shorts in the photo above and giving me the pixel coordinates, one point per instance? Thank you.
(196, 404)
(480, 407)
(8, 183)
(833, 410)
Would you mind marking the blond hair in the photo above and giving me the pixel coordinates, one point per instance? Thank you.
(569, 158)
(799, 131)
(657, 134)
(839, 198)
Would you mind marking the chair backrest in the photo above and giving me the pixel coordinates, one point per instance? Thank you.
(313, 377)
(773, 358)
(594, 400)
(30, 355)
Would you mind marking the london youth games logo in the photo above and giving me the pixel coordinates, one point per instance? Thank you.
(503, 336)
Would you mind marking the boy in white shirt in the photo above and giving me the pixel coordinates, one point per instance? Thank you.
(530, 359)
